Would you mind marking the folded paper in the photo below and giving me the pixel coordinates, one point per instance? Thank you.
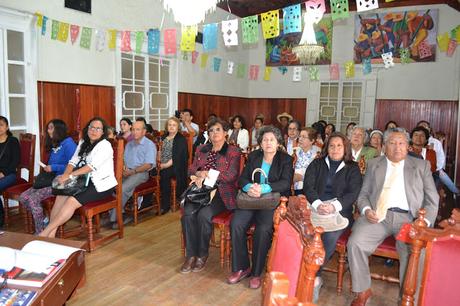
(216, 64)
(210, 37)
(267, 73)
(85, 39)
(339, 9)
(153, 41)
(367, 66)
(187, 42)
(334, 72)
(253, 72)
(229, 32)
(112, 39)
(314, 73)
(100, 40)
(126, 41)
(54, 29)
(230, 67)
(404, 55)
(443, 41)
(74, 31)
(349, 69)
(292, 19)
(45, 19)
(139, 41)
(271, 24)
(194, 56)
(297, 74)
(250, 28)
(170, 41)
(366, 5)
(204, 60)
(63, 31)
(240, 71)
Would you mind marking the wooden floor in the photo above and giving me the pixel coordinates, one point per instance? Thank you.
(143, 269)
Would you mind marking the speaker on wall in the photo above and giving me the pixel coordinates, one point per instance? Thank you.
(79, 5)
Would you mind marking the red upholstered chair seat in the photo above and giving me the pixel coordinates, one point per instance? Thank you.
(343, 239)
(18, 189)
(151, 181)
(224, 218)
(388, 244)
(97, 203)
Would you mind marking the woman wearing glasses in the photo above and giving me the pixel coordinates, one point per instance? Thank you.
(197, 225)
(93, 156)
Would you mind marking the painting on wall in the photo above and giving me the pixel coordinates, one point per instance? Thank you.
(279, 49)
(409, 35)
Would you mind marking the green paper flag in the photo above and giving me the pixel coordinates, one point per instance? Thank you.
(314, 73)
(139, 41)
(404, 54)
(250, 29)
(339, 9)
(54, 29)
(85, 38)
(443, 41)
(241, 71)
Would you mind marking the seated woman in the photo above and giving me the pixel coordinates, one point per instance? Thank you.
(60, 148)
(10, 152)
(93, 156)
(328, 130)
(334, 178)
(238, 135)
(258, 123)
(307, 153)
(197, 226)
(125, 129)
(277, 164)
(419, 146)
(173, 158)
(376, 142)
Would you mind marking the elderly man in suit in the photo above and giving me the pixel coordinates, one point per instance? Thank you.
(395, 187)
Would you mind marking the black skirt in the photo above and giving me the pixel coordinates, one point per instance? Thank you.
(91, 194)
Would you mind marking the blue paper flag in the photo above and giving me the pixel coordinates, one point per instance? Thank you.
(153, 41)
(283, 69)
(217, 62)
(367, 67)
(45, 19)
(292, 16)
(209, 37)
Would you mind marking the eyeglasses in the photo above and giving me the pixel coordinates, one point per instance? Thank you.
(292, 129)
(215, 130)
(95, 129)
(304, 137)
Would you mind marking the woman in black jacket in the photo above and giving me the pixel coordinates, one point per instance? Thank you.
(277, 165)
(9, 159)
(332, 184)
(173, 158)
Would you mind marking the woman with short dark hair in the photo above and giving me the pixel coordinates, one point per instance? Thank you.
(60, 148)
(10, 153)
(125, 129)
(277, 165)
(238, 135)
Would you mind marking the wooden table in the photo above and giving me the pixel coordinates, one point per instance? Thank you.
(63, 284)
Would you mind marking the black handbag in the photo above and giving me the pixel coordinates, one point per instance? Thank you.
(198, 197)
(266, 201)
(71, 187)
(44, 179)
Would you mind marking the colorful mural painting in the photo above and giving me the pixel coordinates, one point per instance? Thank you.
(410, 35)
(279, 49)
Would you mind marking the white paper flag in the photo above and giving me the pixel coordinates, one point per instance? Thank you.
(297, 74)
(100, 40)
(229, 31)
(230, 66)
(388, 59)
(366, 5)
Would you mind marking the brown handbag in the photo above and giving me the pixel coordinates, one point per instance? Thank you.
(266, 201)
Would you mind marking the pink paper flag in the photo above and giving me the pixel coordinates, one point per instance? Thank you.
(194, 56)
(74, 30)
(254, 72)
(126, 41)
(451, 48)
(170, 41)
(334, 71)
(424, 50)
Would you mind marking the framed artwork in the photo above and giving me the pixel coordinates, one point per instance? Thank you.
(279, 49)
(409, 35)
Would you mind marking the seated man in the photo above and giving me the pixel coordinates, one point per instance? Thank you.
(395, 187)
(140, 157)
(187, 125)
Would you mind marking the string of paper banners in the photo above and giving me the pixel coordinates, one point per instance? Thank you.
(292, 23)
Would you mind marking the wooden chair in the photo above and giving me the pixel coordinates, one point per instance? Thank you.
(94, 209)
(27, 161)
(440, 268)
(276, 291)
(295, 238)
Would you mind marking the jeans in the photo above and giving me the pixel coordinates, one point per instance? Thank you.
(445, 179)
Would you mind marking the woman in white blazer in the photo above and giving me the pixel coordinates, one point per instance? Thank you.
(238, 135)
(94, 157)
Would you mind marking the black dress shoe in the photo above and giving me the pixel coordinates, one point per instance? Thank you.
(200, 263)
(188, 265)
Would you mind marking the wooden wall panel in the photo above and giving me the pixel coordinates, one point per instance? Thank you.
(223, 106)
(442, 116)
(97, 101)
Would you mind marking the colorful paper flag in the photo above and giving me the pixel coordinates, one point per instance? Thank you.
(39, 19)
(153, 41)
(63, 31)
(334, 72)
(240, 71)
(267, 73)
(443, 41)
(45, 19)
(250, 27)
(339, 9)
(366, 5)
(126, 41)
(74, 31)
(271, 24)
(314, 73)
(85, 38)
(367, 66)
(100, 40)
(404, 55)
(204, 60)
(292, 19)
(187, 42)
(349, 69)
(283, 69)
(170, 41)
(452, 47)
(139, 41)
(230, 67)
(229, 32)
(216, 64)
(112, 39)
(54, 29)
(297, 74)
(388, 59)
(194, 56)
(253, 72)
(210, 37)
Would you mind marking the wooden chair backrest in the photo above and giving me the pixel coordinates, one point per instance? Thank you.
(296, 238)
(441, 267)
(189, 139)
(276, 293)
(243, 159)
(27, 160)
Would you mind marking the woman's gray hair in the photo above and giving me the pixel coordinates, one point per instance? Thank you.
(366, 135)
(401, 130)
(270, 129)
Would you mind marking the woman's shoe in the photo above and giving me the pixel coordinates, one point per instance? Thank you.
(255, 282)
(188, 265)
(237, 276)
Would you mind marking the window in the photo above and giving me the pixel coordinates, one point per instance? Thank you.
(145, 88)
(340, 103)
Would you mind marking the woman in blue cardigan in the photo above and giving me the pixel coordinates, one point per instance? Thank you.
(60, 149)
